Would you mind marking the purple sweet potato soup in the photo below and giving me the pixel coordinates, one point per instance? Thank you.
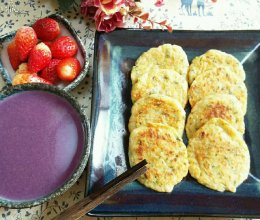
(41, 143)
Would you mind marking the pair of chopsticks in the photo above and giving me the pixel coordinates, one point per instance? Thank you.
(94, 199)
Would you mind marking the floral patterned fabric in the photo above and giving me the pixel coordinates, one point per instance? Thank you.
(183, 14)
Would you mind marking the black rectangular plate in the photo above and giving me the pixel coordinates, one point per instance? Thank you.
(115, 54)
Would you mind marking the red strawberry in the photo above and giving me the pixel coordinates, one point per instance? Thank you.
(28, 78)
(68, 69)
(39, 58)
(25, 40)
(48, 43)
(13, 55)
(47, 29)
(23, 69)
(63, 47)
(49, 72)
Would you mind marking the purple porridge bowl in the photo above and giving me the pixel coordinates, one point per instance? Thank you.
(44, 144)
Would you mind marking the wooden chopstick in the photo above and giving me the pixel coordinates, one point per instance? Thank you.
(94, 199)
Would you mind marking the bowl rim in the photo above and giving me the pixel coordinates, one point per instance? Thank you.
(59, 18)
(11, 90)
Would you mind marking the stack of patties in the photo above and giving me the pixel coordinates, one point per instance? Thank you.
(156, 125)
(217, 153)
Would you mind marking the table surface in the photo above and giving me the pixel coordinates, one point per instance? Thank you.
(216, 15)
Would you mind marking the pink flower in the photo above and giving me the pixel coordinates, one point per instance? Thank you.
(109, 6)
(108, 23)
(130, 3)
(159, 3)
(88, 8)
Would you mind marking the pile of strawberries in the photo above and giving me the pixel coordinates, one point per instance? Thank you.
(40, 54)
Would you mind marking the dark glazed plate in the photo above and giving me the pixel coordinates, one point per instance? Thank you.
(8, 73)
(115, 54)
